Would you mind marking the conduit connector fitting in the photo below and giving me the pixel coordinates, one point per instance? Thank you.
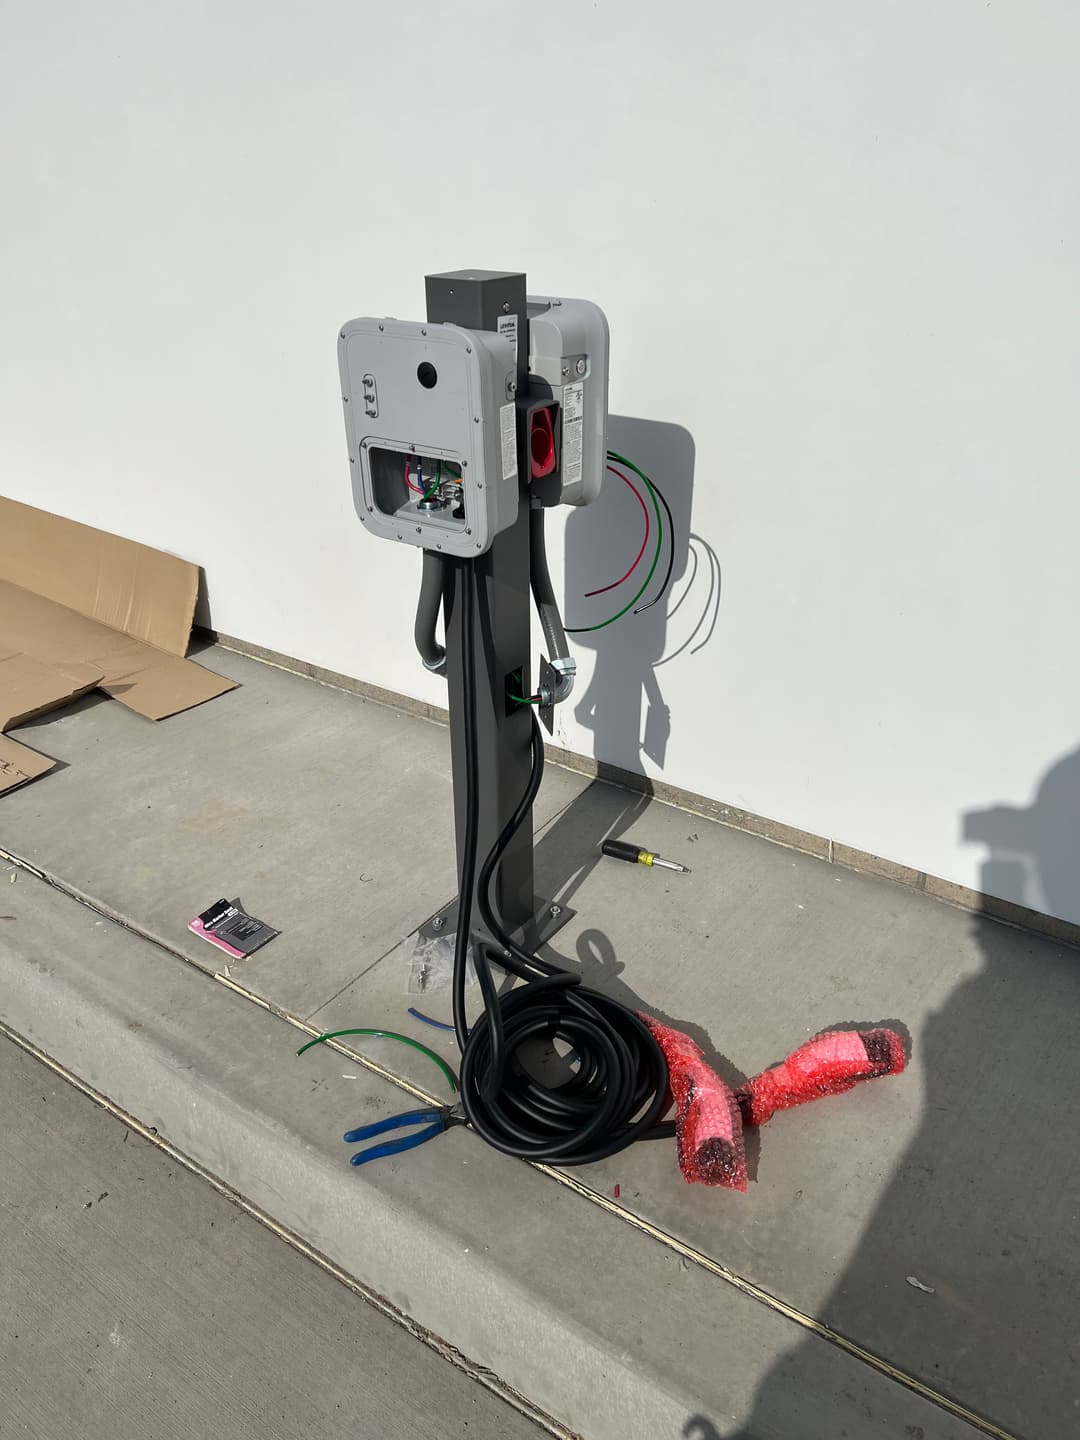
(565, 667)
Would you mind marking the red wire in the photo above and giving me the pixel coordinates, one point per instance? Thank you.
(408, 482)
(645, 511)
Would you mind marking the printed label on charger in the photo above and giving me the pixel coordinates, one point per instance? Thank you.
(508, 439)
(507, 325)
(573, 410)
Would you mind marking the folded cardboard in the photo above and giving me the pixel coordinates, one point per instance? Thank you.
(82, 610)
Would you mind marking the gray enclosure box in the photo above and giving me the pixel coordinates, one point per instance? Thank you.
(431, 424)
(568, 363)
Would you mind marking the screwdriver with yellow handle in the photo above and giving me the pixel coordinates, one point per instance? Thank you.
(620, 850)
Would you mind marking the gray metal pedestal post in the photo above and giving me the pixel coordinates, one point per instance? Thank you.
(494, 300)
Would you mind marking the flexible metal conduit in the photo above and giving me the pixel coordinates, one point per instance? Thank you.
(432, 585)
(547, 606)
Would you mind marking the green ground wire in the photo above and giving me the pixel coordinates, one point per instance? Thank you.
(521, 700)
(436, 482)
(388, 1035)
(585, 629)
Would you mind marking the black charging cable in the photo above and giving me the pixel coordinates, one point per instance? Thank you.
(618, 1086)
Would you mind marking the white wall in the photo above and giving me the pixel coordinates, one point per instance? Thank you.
(836, 243)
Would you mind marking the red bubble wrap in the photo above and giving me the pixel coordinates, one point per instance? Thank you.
(828, 1065)
(708, 1125)
(709, 1118)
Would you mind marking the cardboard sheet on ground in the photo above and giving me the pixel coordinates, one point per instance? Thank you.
(81, 610)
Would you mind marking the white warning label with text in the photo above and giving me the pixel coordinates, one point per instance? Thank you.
(508, 439)
(507, 325)
(572, 426)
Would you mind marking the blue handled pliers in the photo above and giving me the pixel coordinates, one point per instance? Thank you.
(437, 1120)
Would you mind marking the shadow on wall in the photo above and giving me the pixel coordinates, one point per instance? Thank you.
(981, 1208)
(1035, 849)
(623, 704)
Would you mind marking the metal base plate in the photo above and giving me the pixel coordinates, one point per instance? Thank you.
(548, 920)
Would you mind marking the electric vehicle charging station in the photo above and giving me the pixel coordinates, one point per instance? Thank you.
(462, 430)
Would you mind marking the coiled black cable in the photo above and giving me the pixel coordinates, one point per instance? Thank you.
(618, 1088)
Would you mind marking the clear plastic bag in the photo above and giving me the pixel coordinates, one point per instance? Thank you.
(429, 961)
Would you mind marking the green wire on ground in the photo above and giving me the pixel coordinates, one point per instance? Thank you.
(585, 629)
(387, 1035)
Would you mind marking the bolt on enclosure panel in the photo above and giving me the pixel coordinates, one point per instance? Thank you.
(439, 394)
(568, 364)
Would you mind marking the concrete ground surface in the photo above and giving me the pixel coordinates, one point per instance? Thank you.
(136, 1301)
(906, 1260)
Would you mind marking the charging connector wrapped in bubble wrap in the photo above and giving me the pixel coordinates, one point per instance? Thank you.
(708, 1123)
(710, 1116)
(829, 1065)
